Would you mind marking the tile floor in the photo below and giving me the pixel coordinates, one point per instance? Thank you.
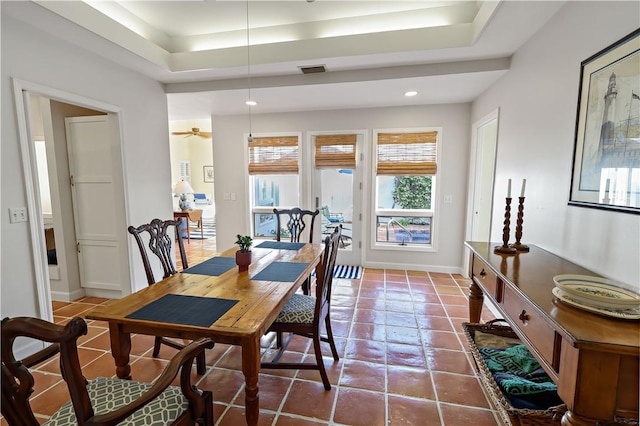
(403, 360)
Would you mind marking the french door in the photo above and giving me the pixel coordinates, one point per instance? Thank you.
(337, 193)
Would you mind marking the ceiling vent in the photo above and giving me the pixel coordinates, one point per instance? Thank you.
(313, 69)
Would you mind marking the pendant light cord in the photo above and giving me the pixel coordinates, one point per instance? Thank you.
(249, 71)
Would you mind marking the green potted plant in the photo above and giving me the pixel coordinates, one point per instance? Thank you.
(243, 256)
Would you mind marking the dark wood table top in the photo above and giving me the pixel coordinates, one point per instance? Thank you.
(531, 274)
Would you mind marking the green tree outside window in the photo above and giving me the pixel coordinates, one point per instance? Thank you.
(412, 192)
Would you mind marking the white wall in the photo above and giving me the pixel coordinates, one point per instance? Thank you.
(35, 56)
(229, 150)
(538, 103)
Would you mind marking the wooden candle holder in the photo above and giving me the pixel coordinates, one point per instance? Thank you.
(520, 219)
(505, 248)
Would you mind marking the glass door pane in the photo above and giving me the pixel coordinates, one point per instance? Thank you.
(336, 204)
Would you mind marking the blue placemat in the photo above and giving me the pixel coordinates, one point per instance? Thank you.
(281, 271)
(214, 266)
(182, 309)
(280, 245)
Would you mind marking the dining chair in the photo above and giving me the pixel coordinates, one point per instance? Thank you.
(296, 223)
(102, 401)
(304, 315)
(295, 227)
(160, 244)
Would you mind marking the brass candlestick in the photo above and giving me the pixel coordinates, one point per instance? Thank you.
(504, 248)
(518, 245)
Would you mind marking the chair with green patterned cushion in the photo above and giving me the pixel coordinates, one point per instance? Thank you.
(304, 315)
(103, 401)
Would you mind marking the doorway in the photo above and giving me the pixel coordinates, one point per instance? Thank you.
(54, 105)
(337, 189)
(484, 142)
(191, 157)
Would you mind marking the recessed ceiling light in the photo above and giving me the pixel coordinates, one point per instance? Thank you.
(410, 93)
(251, 103)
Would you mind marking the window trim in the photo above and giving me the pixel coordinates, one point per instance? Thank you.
(432, 212)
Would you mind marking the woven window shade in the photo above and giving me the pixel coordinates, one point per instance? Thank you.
(273, 155)
(336, 151)
(407, 153)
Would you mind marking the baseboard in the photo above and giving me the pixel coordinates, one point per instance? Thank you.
(409, 267)
(64, 296)
(106, 294)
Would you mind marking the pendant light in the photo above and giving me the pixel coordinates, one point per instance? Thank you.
(250, 103)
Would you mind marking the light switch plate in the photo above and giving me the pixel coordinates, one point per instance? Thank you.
(17, 214)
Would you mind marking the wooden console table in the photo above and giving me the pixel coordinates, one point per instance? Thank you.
(593, 359)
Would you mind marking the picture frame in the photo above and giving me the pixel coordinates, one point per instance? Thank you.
(208, 174)
(606, 158)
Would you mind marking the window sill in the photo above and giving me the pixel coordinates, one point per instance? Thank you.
(425, 248)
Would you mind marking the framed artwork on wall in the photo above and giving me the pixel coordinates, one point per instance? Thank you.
(606, 159)
(208, 174)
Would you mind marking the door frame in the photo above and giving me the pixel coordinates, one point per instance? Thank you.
(474, 161)
(357, 255)
(22, 90)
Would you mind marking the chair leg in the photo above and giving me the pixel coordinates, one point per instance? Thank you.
(334, 351)
(156, 346)
(306, 286)
(320, 361)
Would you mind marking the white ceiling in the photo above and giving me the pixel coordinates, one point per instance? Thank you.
(374, 51)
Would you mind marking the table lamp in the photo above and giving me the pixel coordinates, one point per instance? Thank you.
(183, 188)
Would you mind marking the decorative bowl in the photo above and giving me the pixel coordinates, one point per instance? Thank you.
(632, 313)
(597, 291)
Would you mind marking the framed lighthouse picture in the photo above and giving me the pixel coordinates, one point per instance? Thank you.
(606, 159)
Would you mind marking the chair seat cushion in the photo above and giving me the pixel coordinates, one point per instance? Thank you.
(108, 394)
(299, 310)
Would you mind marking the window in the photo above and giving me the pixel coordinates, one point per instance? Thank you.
(273, 170)
(184, 171)
(406, 166)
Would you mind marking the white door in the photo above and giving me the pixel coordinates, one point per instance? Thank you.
(93, 192)
(338, 194)
(486, 139)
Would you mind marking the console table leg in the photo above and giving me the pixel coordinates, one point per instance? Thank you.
(476, 298)
(571, 419)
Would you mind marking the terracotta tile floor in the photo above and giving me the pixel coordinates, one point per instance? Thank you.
(403, 360)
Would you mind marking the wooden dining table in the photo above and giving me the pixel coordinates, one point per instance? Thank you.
(256, 300)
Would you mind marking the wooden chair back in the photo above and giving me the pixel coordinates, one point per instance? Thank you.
(324, 281)
(296, 223)
(18, 382)
(160, 245)
(298, 321)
